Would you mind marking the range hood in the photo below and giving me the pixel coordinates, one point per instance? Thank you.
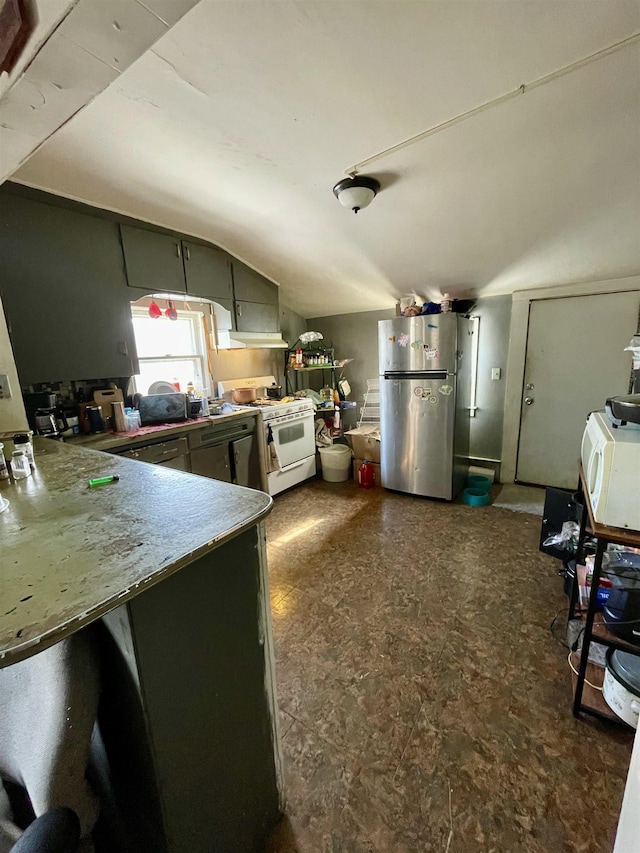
(228, 338)
(258, 340)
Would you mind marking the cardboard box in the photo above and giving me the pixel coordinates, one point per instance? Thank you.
(356, 467)
(365, 442)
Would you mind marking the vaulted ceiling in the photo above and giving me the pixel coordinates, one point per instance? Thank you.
(236, 124)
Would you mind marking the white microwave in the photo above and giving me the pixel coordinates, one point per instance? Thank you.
(611, 464)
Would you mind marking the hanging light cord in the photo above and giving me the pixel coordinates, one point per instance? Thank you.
(501, 99)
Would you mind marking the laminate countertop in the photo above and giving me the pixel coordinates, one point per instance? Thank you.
(113, 441)
(71, 553)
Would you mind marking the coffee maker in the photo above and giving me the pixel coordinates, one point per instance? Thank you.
(44, 415)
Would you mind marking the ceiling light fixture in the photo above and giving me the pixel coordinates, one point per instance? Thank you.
(356, 192)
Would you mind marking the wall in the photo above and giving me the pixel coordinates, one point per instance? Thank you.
(12, 415)
(242, 363)
(354, 336)
(292, 325)
(493, 347)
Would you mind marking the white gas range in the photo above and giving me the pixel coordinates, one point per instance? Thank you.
(286, 430)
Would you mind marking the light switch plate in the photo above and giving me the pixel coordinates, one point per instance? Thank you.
(5, 388)
(496, 373)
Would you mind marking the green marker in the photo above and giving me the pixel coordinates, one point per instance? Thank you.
(101, 481)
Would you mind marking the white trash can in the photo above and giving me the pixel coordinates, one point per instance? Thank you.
(336, 463)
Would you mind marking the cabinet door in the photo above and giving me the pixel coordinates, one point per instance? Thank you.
(212, 462)
(208, 271)
(153, 260)
(250, 286)
(254, 317)
(246, 462)
(63, 291)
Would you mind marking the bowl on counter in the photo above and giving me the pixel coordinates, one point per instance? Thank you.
(244, 395)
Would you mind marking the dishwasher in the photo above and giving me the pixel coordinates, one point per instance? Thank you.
(227, 451)
(170, 454)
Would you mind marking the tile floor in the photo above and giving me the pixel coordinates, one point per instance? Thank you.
(424, 703)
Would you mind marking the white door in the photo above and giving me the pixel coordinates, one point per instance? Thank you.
(575, 360)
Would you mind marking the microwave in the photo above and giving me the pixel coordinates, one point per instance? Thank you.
(611, 464)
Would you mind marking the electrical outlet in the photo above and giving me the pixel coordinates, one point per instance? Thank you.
(5, 388)
(496, 373)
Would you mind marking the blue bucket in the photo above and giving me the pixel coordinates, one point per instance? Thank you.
(476, 481)
(475, 497)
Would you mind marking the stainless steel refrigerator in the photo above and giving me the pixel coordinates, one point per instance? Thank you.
(424, 403)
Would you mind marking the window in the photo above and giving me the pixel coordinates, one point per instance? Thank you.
(170, 351)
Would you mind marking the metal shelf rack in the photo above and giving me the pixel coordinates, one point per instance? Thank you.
(594, 628)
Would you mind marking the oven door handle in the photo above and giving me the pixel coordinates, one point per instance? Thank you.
(292, 465)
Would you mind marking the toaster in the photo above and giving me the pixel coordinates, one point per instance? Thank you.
(162, 408)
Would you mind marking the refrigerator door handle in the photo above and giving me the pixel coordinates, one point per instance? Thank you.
(417, 374)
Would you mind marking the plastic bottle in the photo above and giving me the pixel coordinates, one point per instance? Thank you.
(445, 304)
(299, 357)
(22, 441)
(366, 475)
(20, 467)
(4, 471)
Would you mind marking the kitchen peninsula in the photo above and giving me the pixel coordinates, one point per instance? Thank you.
(169, 571)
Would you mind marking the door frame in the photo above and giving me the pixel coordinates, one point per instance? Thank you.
(516, 360)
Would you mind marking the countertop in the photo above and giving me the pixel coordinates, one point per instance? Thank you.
(112, 440)
(70, 553)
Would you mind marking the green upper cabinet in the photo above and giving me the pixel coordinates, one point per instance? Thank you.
(256, 300)
(63, 289)
(256, 317)
(250, 286)
(207, 271)
(153, 260)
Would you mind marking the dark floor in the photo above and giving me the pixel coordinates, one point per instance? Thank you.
(424, 704)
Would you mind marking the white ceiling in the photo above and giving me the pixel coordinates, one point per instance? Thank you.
(239, 120)
(76, 48)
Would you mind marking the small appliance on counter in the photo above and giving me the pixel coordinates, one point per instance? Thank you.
(162, 408)
(50, 421)
(621, 611)
(34, 402)
(610, 455)
(623, 410)
(621, 686)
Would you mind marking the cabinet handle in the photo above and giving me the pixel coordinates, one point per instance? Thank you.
(177, 250)
(236, 456)
(239, 309)
(187, 253)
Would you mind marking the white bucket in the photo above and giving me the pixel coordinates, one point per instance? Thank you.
(336, 463)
